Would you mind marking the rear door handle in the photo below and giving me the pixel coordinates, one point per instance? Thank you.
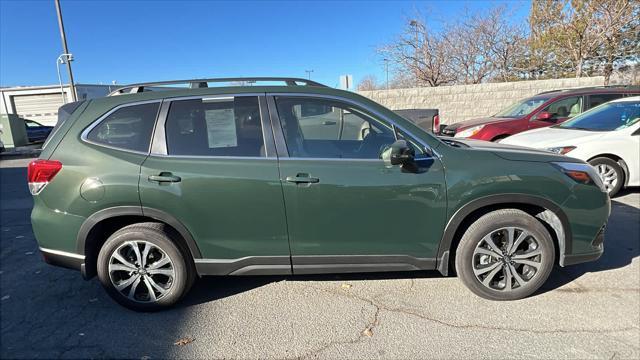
(329, 122)
(302, 179)
(164, 177)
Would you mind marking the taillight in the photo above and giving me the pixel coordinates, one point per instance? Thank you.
(436, 124)
(40, 173)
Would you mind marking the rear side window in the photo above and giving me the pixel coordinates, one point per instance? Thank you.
(128, 128)
(595, 100)
(228, 126)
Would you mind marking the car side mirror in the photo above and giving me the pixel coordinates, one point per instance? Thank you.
(546, 116)
(399, 153)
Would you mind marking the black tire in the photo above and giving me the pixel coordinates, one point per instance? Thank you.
(601, 163)
(492, 224)
(161, 240)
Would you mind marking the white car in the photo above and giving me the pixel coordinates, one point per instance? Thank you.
(607, 136)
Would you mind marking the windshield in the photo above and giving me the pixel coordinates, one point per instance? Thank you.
(522, 108)
(606, 117)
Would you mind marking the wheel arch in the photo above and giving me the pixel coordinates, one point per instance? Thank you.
(100, 225)
(546, 211)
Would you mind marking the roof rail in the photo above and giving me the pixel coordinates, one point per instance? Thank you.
(203, 83)
(632, 87)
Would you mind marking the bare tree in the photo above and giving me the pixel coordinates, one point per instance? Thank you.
(422, 53)
(469, 50)
(507, 43)
(367, 83)
(564, 38)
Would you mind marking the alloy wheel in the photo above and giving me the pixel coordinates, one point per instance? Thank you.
(141, 271)
(507, 259)
(608, 175)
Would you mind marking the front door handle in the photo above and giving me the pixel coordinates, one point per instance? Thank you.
(164, 177)
(302, 179)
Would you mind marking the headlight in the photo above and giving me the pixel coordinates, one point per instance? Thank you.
(582, 173)
(561, 149)
(469, 132)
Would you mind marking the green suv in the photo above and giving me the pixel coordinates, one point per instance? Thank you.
(160, 183)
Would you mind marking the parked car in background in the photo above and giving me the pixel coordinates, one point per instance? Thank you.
(543, 110)
(1, 143)
(254, 180)
(608, 137)
(37, 132)
(426, 119)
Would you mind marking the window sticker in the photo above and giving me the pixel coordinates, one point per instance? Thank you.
(221, 128)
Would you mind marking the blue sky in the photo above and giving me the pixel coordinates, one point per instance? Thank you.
(134, 41)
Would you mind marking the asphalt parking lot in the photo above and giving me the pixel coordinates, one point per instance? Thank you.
(585, 311)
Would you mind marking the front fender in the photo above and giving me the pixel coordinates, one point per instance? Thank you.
(553, 216)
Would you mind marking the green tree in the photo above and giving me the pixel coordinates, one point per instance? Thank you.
(584, 36)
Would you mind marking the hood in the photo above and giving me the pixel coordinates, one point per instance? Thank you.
(512, 152)
(552, 137)
(479, 121)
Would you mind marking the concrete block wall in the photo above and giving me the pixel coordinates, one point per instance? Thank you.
(462, 102)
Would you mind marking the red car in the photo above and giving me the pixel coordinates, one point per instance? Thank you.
(545, 109)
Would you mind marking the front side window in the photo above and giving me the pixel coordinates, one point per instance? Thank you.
(565, 108)
(322, 128)
(215, 127)
(128, 128)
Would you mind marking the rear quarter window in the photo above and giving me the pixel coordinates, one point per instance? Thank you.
(127, 128)
(64, 113)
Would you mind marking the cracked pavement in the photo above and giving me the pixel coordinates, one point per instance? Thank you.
(585, 311)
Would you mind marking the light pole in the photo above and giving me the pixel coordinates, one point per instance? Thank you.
(386, 65)
(61, 60)
(414, 24)
(66, 51)
(308, 74)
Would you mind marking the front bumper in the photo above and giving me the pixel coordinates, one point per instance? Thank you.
(582, 258)
(598, 246)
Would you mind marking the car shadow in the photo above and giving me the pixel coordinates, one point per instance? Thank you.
(211, 288)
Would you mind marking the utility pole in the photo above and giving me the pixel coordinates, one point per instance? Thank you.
(308, 74)
(72, 86)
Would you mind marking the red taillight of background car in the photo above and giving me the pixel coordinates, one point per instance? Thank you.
(40, 173)
(436, 124)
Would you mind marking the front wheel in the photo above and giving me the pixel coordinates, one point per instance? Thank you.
(611, 174)
(505, 255)
(141, 268)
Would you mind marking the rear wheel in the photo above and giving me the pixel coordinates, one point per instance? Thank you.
(141, 268)
(505, 255)
(610, 172)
